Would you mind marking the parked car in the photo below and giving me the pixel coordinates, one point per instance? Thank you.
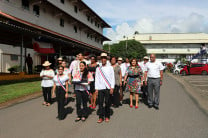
(196, 68)
(178, 68)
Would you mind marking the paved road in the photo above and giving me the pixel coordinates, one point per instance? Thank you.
(178, 117)
(199, 82)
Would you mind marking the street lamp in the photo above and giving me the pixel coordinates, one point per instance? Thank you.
(125, 37)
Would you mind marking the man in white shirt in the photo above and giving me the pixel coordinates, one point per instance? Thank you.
(124, 67)
(144, 87)
(154, 73)
(120, 60)
(104, 85)
(74, 67)
(139, 62)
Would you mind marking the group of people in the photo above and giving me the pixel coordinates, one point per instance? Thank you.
(103, 79)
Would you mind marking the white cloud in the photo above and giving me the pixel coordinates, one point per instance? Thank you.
(151, 16)
(192, 23)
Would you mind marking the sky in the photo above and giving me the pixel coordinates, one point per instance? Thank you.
(151, 16)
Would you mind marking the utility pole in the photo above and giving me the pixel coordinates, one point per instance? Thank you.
(125, 37)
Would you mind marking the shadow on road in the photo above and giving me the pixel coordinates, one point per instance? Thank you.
(127, 101)
(68, 110)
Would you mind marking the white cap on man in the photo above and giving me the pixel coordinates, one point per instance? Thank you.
(103, 55)
(60, 59)
(146, 57)
(120, 59)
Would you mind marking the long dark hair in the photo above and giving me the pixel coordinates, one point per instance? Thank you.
(85, 73)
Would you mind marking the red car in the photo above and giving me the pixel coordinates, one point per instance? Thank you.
(196, 68)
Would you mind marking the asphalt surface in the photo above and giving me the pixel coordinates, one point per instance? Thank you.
(178, 117)
(199, 82)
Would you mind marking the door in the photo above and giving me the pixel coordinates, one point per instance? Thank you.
(196, 69)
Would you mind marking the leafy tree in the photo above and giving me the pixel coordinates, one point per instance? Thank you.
(128, 48)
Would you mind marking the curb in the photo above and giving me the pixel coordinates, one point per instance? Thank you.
(190, 90)
(20, 100)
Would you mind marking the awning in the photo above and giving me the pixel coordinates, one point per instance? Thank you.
(38, 30)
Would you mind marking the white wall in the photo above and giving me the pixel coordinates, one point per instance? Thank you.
(49, 19)
(5, 55)
(172, 48)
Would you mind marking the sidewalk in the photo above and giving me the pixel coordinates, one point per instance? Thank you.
(178, 117)
(196, 87)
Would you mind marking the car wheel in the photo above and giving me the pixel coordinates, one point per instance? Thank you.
(183, 73)
(204, 72)
(176, 72)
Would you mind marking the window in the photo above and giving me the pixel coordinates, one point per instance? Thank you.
(88, 35)
(25, 4)
(36, 10)
(197, 65)
(88, 18)
(91, 20)
(75, 9)
(91, 37)
(62, 1)
(62, 22)
(14, 57)
(98, 25)
(75, 29)
(95, 23)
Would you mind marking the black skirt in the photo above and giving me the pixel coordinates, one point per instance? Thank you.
(92, 87)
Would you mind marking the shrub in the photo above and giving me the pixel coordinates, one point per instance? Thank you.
(14, 69)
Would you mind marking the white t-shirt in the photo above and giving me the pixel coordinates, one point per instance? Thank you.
(74, 67)
(62, 78)
(47, 82)
(143, 66)
(124, 67)
(139, 63)
(79, 87)
(66, 71)
(153, 69)
(87, 62)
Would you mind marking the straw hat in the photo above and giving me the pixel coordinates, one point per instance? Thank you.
(120, 59)
(46, 63)
(146, 57)
(60, 58)
(103, 55)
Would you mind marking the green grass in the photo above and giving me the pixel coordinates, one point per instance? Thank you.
(12, 91)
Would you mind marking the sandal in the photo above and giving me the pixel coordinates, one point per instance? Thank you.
(48, 104)
(100, 120)
(77, 119)
(94, 107)
(107, 120)
(44, 103)
(83, 119)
